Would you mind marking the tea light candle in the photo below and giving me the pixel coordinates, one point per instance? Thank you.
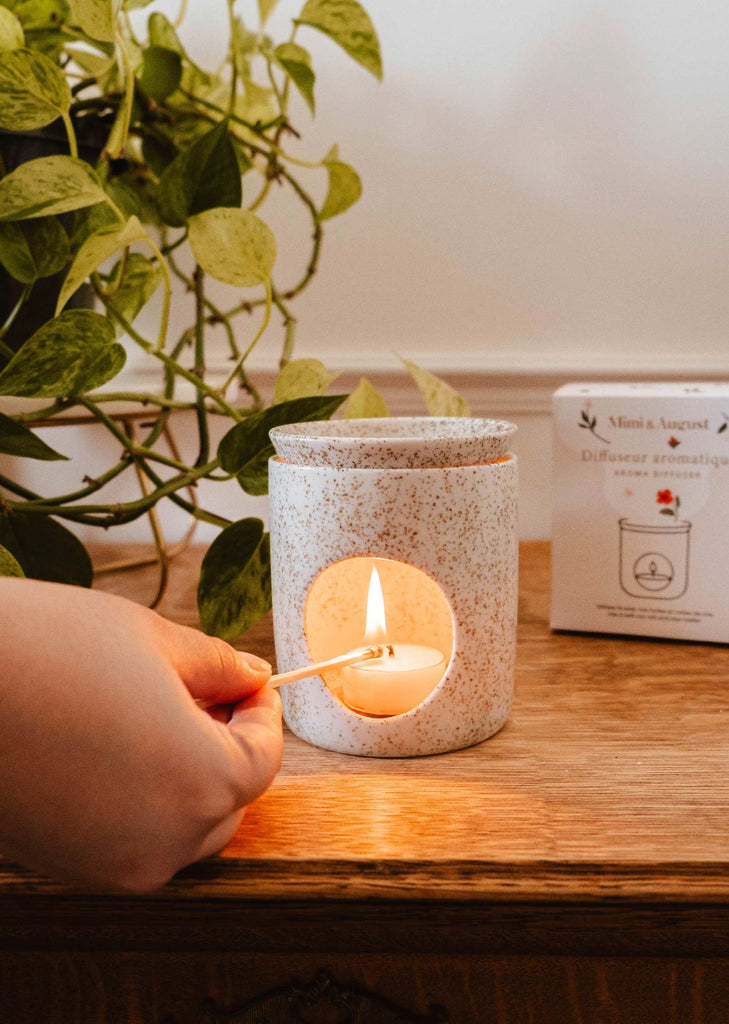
(397, 681)
(393, 683)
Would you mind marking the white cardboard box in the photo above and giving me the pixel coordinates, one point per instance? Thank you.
(641, 510)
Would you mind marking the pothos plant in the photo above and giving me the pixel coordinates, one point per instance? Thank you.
(188, 159)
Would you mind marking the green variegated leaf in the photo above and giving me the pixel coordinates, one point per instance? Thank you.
(345, 186)
(15, 439)
(235, 580)
(302, 378)
(158, 153)
(32, 249)
(366, 402)
(9, 565)
(296, 62)
(88, 221)
(136, 196)
(11, 31)
(265, 7)
(38, 15)
(45, 549)
(94, 64)
(33, 90)
(41, 20)
(69, 355)
(138, 284)
(96, 17)
(233, 246)
(349, 25)
(244, 161)
(246, 448)
(161, 73)
(95, 250)
(50, 184)
(244, 47)
(161, 32)
(205, 176)
(254, 478)
(440, 398)
(123, 194)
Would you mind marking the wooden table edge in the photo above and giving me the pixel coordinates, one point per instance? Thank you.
(396, 881)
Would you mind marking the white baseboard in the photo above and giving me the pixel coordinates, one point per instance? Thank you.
(494, 387)
(495, 384)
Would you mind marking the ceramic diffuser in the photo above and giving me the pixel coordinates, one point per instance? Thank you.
(430, 505)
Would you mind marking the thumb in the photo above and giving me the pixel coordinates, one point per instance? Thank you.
(212, 670)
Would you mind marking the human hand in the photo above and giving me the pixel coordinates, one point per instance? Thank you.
(110, 773)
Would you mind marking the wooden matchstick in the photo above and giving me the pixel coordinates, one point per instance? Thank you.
(352, 658)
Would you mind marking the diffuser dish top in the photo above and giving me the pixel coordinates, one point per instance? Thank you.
(393, 442)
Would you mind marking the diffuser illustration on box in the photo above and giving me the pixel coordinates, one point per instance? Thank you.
(654, 557)
(400, 533)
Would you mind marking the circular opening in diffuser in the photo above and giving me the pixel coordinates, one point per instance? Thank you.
(343, 613)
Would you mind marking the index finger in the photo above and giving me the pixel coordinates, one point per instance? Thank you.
(212, 670)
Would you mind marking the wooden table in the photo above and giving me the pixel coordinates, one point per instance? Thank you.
(572, 869)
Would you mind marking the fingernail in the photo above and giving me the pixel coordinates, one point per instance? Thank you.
(255, 662)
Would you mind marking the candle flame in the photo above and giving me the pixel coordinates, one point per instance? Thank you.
(376, 627)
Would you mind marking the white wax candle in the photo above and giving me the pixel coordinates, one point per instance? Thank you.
(394, 683)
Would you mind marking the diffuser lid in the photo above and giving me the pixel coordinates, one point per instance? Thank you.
(393, 442)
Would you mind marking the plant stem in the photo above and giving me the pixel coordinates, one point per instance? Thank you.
(274, 85)
(127, 512)
(261, 195)
(311, 267)
(194, 510)
(165, 317)
(202, 420)
(289, 333)
(12, 316)
(257, 130)
(180, 15)
(141, 398)
(120, 129)
(167, 249)
(98, 413)
(39, 504)
(254, 129)
(169, 362)
(217, 316)
(254, 342)
(233, 61)
(23, 492)
(316, 240)
(72, 146)
(245, 381)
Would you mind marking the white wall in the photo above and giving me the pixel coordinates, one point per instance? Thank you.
(540, 176)
(546, 196)
(543, 179)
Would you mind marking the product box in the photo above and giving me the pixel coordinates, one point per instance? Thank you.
(641, 510)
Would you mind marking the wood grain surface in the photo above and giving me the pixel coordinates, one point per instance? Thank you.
(573, 869)
(609, 782)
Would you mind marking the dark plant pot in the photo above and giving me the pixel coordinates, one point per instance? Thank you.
(17, 148)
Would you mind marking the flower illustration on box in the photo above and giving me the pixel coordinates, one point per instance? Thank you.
(654, 556)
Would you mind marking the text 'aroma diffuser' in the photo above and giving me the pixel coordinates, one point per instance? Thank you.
(399, 532)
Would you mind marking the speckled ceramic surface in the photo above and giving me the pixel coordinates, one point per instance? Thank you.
(458, 524)
(393, 442)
